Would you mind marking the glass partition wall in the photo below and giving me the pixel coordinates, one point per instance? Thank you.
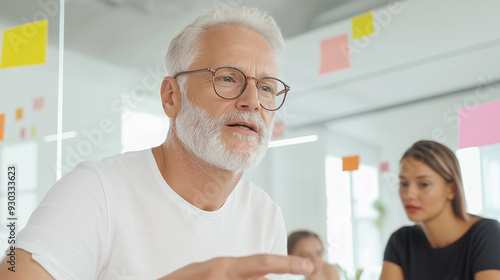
(29, 111)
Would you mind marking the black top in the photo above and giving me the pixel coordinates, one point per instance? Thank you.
(478, 249)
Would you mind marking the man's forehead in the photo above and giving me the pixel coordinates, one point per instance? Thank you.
(236, 46)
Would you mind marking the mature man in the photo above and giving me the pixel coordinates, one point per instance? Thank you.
(180, 210)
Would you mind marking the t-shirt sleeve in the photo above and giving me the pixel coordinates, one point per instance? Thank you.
(391, 253)
(67, 232)
(486, 247)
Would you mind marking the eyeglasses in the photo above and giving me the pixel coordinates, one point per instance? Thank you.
(230, 83)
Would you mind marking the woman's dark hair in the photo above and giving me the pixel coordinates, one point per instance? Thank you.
(296, 236)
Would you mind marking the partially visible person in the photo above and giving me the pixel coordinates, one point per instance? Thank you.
(446, 242)
(308, 244)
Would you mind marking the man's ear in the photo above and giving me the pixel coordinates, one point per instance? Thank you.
(170, 97)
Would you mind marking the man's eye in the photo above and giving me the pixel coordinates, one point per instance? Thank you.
(227, 79)
(266, 89)
(403, 184)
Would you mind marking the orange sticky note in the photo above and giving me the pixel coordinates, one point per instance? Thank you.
(362, 25)
(24, 44)
(350, 163)
(334, 54)
(19, 113)
(2, 126)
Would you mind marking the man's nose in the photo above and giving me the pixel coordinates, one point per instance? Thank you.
(249, 99)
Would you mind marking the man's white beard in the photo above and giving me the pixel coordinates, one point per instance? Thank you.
(203, 137)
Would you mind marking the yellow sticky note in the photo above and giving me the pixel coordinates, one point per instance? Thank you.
(33, 131)
(350, 163)
(2, 126)
(19, 114)
(24, 44)
(362, 25)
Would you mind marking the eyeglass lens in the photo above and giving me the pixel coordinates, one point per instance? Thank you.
(229, 83)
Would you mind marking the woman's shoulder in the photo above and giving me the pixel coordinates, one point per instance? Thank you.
(407, 231)
(483, 226)
(331, 271)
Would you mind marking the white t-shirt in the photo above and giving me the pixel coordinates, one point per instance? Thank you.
(118, 219)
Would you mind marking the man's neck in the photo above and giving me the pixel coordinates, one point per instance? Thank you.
(199, 183)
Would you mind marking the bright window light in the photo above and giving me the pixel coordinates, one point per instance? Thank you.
(293, 141)
(470, 164)
(142, 130)
(64, 135)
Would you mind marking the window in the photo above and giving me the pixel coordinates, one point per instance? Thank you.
(353, 236)
(136, 135)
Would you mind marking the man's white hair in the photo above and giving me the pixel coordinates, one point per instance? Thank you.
(185, 47)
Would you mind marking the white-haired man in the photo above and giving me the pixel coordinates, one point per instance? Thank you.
(180, 210)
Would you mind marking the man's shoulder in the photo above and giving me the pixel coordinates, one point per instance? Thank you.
(129, 162)
(131, 156)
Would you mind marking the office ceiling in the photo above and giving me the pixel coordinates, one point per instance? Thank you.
(136, 33)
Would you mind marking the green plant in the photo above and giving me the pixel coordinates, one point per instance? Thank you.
(357, 276)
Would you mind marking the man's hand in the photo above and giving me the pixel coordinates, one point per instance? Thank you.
(242, 268)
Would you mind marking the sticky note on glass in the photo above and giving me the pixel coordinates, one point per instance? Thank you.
(19, 114)
(278, 129)
(24, 44)
(33, 131)
(334, 54)
(2, 126)
(350, 163)
(362, 25)
(38, 103)
(479, 125)
(384, 166)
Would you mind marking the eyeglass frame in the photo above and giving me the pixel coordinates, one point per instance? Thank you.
(213, 70)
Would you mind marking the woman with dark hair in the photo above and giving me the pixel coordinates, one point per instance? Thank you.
(446, 242)
(307, 244)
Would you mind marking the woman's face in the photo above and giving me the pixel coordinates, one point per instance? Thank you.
(424, 193)
(311, 248)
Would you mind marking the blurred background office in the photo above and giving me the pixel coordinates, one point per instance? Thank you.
(80, 80)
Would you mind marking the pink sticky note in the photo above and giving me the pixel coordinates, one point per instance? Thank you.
(22, 133)
(479, 125)
(334, 54)
(38, 103)
(278, 129)
(384, 166)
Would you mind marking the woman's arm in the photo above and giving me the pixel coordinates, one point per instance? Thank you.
(391, 271)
